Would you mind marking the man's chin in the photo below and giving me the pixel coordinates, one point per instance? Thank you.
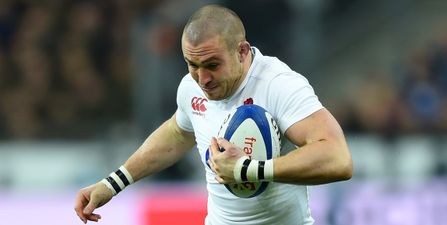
(213, 96)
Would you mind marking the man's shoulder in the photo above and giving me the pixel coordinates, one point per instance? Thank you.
(277, 75)
(268, 67)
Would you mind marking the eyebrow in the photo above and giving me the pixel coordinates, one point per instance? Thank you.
(204, 62)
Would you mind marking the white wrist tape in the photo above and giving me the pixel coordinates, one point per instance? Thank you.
(268, 170)
(104, 181)
(118, 180)
(251, 170)
(238, 168)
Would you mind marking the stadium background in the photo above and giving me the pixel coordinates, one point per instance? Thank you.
(83, 82)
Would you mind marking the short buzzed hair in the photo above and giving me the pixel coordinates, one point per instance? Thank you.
(212, 20)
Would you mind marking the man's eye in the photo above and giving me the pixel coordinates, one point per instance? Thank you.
(193, 66)
(212, 66)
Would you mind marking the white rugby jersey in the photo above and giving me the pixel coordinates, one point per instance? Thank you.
(289, 98)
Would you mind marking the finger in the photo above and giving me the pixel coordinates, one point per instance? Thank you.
(80, 214)
(83, 219)
(213, 153)
(80, 203)
(211, 165)
(89, 209)
(220, 180)
(223, 143)
(214, 147)
(94, 217)
(92, 205)
(231, 149)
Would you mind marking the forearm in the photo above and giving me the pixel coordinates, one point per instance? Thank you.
(324, 156)
(164, 147)
(319, 162)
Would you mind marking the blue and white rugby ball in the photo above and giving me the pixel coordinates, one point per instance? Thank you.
(253, 129)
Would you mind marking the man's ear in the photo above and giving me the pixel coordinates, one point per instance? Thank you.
(244, 50)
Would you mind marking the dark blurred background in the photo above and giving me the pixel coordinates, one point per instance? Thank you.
(82, 83)
(72, 69)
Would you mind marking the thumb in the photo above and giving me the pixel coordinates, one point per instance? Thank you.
(92, 205)
(226, 146)
(223, 143)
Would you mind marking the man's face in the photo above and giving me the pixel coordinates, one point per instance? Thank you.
(215, 68)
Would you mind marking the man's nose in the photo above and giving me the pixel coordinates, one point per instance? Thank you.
(204, 76)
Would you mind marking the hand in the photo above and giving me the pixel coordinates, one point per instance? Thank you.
(222, 163)
(90, 198)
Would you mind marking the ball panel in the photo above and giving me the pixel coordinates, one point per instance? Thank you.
(257, 114)
(251, 140)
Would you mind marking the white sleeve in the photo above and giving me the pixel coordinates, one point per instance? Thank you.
(292, 98)
(182, 118)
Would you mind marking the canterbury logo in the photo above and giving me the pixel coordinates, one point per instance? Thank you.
(198, 104)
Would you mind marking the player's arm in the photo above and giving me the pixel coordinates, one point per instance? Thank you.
(161, 149)
(323, 156)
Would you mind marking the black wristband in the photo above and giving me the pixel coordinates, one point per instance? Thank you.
(261, 170)
(244, 170)
(123, 177)
(114, 184)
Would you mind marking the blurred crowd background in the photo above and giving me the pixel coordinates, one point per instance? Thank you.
(68, 68)
(89, 80)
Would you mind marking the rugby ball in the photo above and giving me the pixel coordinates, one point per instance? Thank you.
(254, 130)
